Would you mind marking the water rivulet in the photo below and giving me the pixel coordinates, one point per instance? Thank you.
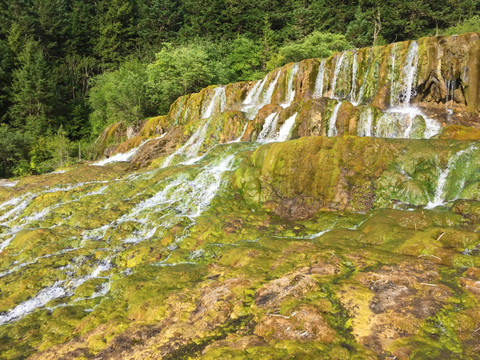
(328, 210)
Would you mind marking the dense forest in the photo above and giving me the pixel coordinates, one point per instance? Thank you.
(68, 68)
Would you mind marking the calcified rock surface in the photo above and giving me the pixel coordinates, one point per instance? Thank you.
(327, 211)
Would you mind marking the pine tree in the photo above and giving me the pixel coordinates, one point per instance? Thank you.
(33, 90)
(116, 30)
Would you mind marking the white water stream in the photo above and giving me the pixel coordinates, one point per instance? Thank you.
(440, 196)
(318, 92)
(332, 123)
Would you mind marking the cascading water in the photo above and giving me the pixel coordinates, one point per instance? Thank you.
(290, 93)
(440, 196)
(191, 148)
(338, 66)
(216, 104)
(365, 123)
(258, 97)
(353, 100)
(267, 98)
(449, 96)
(269, 128)
(399, 119)
(123, 157)
(286, 129)
(332, 122)
(182, 197)
(318, 92)
(410, 71)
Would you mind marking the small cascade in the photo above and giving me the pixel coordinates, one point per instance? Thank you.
(254, 95)
(365, 122)
(123, 157)
(258, 96)
(410, 71)
(392, 76)
(332, 123)
(60, 289)
(403, 89)
(338, 66)
(440, 196)
(449, 96)
(8, 183)
(216, 104)
(290, 93)
(285, 130)
(318, 92)
(267, 99)
(269, 129)
(191, 148)
(353, 100)
(181, 198)
(364, 83)
(243, 133)
(399, 120)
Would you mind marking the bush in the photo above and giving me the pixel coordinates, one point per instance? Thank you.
(120, 95)
(469, 25)
(181, 70)
(244, 59)
(14, 151)
(315, 45)
(50, 152)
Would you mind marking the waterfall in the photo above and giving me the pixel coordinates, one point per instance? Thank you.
(253, 95)
(401, 92)
(257, 97)
(318, 92)
(241, 135)
(354, 79)
(365, 122)
(450, 90)
(290, 93)
(218, 102)
(191, 148)
(269, 128)
(440, 196)
(362, 87)
(286, 129)
(124, 157)
(269, 93)
(332, 123)
(181, 198)
(410, 71)
(392, 76)
(338, 66)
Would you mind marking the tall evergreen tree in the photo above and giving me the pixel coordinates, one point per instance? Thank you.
(116, 31)
(33, 90)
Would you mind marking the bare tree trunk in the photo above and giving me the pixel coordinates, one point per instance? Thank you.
(377, 26)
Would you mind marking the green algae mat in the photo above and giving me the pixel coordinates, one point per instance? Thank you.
(182, 262)
(330, 210)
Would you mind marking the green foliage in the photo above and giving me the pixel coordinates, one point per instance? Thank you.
(317, 44)
(116, 31)
(360, 31)
(14, 149)
(119, 96)
(244, 59)
(33, 90)
(50, 152)
(181, 70)
(469, 25)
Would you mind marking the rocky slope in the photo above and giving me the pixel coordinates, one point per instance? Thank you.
(328, 211)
